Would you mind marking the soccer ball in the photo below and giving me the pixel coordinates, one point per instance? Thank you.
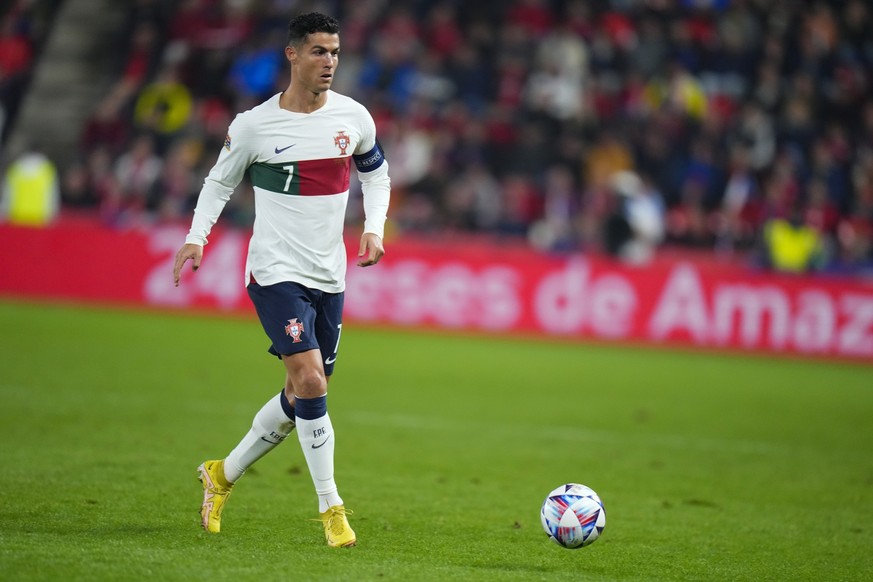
(573, 516)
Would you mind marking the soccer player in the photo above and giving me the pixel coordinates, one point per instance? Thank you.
(297, 147)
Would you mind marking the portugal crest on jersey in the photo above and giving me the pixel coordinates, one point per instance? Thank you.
(342, 142)
(294, 329)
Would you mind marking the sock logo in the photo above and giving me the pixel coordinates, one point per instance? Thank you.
(273, 435)
(317, 433)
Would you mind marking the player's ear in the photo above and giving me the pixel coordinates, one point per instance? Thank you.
(290, 54)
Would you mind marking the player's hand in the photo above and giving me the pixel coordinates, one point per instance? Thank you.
(188, 251)
(371, 250)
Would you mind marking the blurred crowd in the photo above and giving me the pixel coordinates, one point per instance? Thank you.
(619, 126)
(24, 25)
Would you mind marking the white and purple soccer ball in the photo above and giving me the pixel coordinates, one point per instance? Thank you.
(573, 516)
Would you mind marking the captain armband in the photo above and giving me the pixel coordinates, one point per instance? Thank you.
(371, 160)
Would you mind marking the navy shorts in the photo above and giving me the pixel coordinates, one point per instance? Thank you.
(298, 319)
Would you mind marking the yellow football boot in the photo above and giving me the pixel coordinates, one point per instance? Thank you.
(216, 490)
(337, 530)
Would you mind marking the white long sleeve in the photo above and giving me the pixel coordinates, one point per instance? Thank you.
(376, 186)
(223, 178)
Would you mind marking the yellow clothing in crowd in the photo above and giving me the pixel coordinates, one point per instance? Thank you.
(792, 248)
(31, 193)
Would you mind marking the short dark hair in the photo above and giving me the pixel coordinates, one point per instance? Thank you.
(302, 26)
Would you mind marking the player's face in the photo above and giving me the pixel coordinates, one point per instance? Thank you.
(314, 62)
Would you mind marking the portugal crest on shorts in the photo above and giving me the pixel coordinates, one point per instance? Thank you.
(342, 142)
(294, 329)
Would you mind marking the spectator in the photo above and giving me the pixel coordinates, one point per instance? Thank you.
(16, 58)
(136, 173)
(16, 52)
(163, 108)
(441, 31)
(640, 217)
(411, 149)
(609, 155)
(521, 205)
(734, 229)
(255, 70)
(31, 192)
(556, 230)
(535, 16)
(178, 184)
(108, 127)
(791, 245)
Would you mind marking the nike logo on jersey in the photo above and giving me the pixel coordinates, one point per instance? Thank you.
(280, 150)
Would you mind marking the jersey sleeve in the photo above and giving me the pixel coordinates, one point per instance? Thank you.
(233, 161)
(372, 170)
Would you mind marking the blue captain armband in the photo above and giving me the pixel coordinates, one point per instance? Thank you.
(371, 160)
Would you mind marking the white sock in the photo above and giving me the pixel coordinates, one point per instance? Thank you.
(317, 441)
(269, 428)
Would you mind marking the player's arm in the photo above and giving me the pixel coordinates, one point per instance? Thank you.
(222, 180)
(376, 187)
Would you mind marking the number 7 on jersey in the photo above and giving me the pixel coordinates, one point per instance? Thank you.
(290, 170)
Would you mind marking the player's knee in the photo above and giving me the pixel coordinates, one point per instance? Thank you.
(310, 384)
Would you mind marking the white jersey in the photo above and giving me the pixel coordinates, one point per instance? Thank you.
(299, 165)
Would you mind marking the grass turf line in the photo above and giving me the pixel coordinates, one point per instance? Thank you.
(710, 466)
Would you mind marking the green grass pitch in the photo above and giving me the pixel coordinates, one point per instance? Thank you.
(711, 466)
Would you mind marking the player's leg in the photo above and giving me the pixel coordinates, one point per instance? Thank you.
(275, 304)
(316, 435)
(304, 326)
(271, 425)
(310, 373)
(315, 429)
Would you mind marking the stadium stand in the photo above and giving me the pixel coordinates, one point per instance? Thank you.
(608, 126)
(24, 26)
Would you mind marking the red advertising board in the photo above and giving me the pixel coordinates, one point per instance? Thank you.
(468, 286)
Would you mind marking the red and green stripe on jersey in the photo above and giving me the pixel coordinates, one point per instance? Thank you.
(303, 178)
